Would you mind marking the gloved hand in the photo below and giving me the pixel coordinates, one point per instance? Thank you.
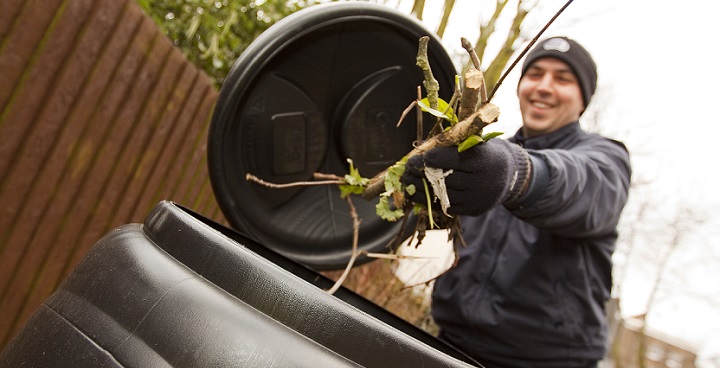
(483, 176)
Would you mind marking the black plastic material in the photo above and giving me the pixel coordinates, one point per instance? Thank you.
(183, 291)
(325, 84)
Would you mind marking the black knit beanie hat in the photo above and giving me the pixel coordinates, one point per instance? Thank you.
(573, 55)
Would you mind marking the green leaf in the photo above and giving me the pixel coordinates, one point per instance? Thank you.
(410, 189)
(386, 212)
(393, 175)
(393, 184)
(474, 140)
(470, 142)
(346, 190)
(442, 106)
(491, 135)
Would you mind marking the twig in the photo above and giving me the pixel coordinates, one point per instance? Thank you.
(253, 178)
(527, 48)
(419, 119)
(431, 84)
(355, 253)
(393, 256)
(323, 176)
(471, 51)
(405, 112)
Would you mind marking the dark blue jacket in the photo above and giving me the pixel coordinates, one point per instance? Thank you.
(530, 288)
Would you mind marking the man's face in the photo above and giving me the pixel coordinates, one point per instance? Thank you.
(550, 97)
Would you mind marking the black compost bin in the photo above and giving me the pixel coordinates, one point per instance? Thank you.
(183, 291)
(323, 85)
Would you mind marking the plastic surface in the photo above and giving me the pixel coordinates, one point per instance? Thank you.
(182, 291)
(325, 84)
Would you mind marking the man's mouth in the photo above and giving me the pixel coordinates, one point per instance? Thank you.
(540, 104)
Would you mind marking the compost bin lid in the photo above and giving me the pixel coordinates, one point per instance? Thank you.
(324, 84)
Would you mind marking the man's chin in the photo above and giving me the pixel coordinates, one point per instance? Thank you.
(536, 125)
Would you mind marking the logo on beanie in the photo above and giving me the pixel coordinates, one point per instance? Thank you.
(557, 44)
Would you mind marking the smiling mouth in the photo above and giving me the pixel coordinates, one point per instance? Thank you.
(541, 105)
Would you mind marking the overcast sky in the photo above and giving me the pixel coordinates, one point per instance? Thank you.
(658, 93)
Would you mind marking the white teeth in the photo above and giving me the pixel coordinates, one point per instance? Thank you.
(541, 105)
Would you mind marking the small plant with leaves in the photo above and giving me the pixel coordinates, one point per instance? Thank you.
(353, 183)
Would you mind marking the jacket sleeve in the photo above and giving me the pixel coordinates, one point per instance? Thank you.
(577, 192)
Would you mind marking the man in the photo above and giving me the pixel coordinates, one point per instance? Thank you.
(539, 215)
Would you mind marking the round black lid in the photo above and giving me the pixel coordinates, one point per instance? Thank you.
(322, 85)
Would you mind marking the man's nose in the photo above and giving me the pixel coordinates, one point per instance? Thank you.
(545, 84)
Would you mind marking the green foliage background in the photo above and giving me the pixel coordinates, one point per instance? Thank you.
(213, 33)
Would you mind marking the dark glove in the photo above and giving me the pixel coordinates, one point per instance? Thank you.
(483, 177)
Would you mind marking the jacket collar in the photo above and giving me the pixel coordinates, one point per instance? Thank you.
(551, 139)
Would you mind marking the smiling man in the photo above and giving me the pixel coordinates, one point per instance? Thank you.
(539, 215)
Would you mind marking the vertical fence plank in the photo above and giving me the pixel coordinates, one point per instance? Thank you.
(15, 118)
(9, 13)
(20, 43)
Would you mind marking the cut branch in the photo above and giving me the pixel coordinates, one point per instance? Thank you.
(474, 123)
(473, 88)
(432, 87)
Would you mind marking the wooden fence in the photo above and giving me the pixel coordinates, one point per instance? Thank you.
(100, 118)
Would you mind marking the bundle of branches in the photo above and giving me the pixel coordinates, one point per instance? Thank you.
(464, 130)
